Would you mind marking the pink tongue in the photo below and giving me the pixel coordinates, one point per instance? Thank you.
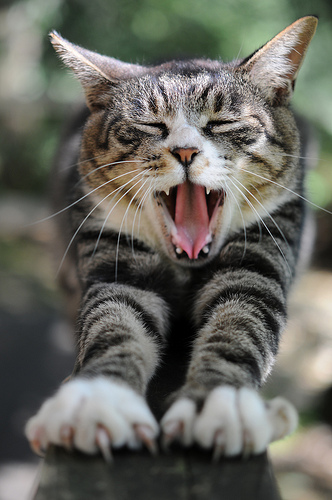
(191, 219)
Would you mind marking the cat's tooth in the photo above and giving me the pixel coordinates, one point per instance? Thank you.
(206, 249)
(208, 190)
(166, 191)
(179, 250)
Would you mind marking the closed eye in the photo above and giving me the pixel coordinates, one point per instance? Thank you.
(215, 126)
(248, 126)
(154, 128)
(214, 123)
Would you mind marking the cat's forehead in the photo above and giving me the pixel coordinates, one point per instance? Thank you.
(191, 87)
(189, 75)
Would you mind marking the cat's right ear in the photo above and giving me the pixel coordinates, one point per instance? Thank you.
(274, 67)
(96, 73)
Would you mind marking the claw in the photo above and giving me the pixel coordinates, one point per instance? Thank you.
(66, 436)
(36, 447)
(219, 447)
(36, 442)
(104, 443)
(172, 431)
(146, 434)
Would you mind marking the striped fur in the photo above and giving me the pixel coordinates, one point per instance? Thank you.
(134, 280)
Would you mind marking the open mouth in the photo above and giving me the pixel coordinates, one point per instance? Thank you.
(191, 211)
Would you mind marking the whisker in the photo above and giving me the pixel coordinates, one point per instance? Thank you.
(289, 190)
(229, 191)
(240, 50)
(86, 218)
(109, 213)
(68, 167)
(266, 211)
(262, 221)
(97, 157)
(82, 198)
(139, 207)
(298, 157)
(120, 229)
(109, 165)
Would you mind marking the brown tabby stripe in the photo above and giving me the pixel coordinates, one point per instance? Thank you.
(96, 307)
(113, 323)
(244, 306)
(153, 105)
(232, 305)
(108, 123)
(161, 88)
(218, 102)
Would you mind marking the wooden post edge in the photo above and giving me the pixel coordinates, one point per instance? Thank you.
(136, 475)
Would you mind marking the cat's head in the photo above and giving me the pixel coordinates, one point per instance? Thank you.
(184, 152)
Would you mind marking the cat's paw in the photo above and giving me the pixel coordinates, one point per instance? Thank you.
(93, 415)
(231, 422)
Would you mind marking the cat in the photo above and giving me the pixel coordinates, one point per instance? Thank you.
(180, 196)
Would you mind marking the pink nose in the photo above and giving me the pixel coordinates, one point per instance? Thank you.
(185, 155)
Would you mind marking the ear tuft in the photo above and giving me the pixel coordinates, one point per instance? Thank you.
(83, 62)
(96, 73)
(275, 66)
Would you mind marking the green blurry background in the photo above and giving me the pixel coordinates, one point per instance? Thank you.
(37, 95)
(36, 91)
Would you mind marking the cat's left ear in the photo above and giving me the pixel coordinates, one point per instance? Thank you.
(96, 73)
(274, 67)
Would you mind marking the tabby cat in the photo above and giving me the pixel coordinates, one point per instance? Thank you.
(180, 199)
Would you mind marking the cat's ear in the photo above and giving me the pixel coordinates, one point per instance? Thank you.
(96, 73)
(274, 67)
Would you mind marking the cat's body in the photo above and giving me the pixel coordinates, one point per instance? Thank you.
(190, 223)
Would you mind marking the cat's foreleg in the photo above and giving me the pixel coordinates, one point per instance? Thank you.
(240, 314)
(103, 406)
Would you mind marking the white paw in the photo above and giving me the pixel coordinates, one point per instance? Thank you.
(93, 415)
(232, 421)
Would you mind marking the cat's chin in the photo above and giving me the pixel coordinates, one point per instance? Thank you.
(190, 214)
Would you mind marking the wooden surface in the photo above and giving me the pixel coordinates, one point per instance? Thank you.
(179, 475)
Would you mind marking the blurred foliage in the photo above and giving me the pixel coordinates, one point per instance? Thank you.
(36, 91)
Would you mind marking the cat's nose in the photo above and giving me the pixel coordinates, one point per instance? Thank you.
(185, 155)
